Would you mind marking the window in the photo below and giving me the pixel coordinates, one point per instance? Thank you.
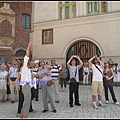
(66, 9)
(104, 7)
(47, 36)
(26, 21)
(96, 7)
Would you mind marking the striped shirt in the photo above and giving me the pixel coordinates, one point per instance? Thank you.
(55, 71)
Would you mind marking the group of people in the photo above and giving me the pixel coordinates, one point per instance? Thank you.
(26, 78)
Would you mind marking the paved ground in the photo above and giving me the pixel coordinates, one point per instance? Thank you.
(8, 109)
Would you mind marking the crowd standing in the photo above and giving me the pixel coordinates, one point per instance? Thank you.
(27, 77)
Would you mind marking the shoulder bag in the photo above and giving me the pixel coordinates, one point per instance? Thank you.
(72, 80)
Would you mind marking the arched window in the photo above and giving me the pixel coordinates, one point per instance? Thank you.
(6, 28)
(20, 53)
(26, 21)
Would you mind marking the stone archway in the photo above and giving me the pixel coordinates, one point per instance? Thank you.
(20, 54)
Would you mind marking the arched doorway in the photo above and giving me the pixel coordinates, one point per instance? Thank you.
(20, 54)
(85, 49)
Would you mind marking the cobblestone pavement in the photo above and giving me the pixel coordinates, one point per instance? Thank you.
(85, 111)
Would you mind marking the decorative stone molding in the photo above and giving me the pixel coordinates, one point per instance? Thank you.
(6, 41)
(6, 10)
(78, 21)
(7, 13)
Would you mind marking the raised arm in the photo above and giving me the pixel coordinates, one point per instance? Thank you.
(81, 63)
(100, 61)
(68, 63)
(90, 60)
(28, 49)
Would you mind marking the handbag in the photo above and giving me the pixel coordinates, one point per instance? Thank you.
(49, 83)
(86, 73)
(72, 80)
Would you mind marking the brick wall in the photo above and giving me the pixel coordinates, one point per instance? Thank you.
(21, 34)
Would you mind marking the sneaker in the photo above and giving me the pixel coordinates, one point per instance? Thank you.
(54, 110)
(65, 90)
(100, 104)
(107, 102)
(116, 103)
(18, 115)
(61, 90)
(95, 106)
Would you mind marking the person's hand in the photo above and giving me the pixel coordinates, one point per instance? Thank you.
(107, 77)
(48, 74)
(59, 77)
(8, 83)
(30, 44)
(18, 88)
(77, 57)
(72, 56)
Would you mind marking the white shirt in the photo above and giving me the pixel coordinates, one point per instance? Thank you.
(97, 75)
(86, 69)
(26, 73)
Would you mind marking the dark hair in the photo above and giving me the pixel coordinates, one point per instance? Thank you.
(116, 64)
(73, 59)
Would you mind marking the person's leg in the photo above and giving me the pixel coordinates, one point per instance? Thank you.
(112, 93)
(27, 98)
(21, 100)
(37, 92)
(50, 91)
(44, 97)
(61, 82)
(65, 84)
(83, 79)
(3, 95)
(76, 93)
(87, 79)
(71, 91)
(106, 93)
(8, 92)
(55, 83)
(12, 91)
(94, 92)
(100, 90)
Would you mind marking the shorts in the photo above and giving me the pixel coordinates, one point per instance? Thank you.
(97, 87)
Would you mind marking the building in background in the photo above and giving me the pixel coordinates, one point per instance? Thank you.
(15, 26)
(85, 28)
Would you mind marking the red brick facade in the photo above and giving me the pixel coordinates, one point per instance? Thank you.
(21, 34)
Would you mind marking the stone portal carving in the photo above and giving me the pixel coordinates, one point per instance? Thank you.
(7, 13)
